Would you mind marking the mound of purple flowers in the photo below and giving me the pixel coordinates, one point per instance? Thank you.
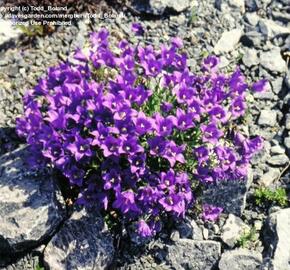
(134, 129)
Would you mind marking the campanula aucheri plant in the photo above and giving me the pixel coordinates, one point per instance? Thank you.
(133, 128)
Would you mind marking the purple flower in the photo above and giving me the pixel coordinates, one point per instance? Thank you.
(259, 86)
(157, 145)
(202, 154)
(111, 146)
(184, 120)
(211, 133)
(173, 203)
(143, 124)
(238, 107)
(137, 29)
(218, 113)
(125, 201)
(211, 213)
(164, 126)
(144, 229)
(210, 63)
(174, 153)
(130, 146)
(80, 147)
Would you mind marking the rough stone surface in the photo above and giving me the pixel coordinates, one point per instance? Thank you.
(195, 255)
(277, 235)
(28, 262)
(7, 31)
(233, 229)
(268, 118)
(272, 29)
(82, 243)
(228, 41)
(240, 259)
(31, 206)
(250, 58)
(269, 177)
(231, 5)
(272, 60)
(230, 195)
(158, 7)
(278, 160)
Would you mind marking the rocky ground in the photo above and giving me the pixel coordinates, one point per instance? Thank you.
(38, 229)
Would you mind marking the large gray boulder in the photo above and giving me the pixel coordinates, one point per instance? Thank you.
(159, 7)
(31, 205)
(230, 195)
(83, 243)
(194, 255)
(240, 259)
(276, 237)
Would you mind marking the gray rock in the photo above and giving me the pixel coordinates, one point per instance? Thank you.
(233, 229)
(250, 58)
(273, 61)
(271, 29)
(189, 229)
(82, 243)
(287, 144)
(28, 262)
(230, 195)
(276, 236)
(269, 177)
(267, 118)
(281, 16)
(31, 206)
(228, 41)
(277, 85)
(252, 18)
(240, 259)
(8, 31)
(195, 255)
(159, 7)
(287, 122)
(278, 160)
(277, 149)
(230, 5)
(267, 94)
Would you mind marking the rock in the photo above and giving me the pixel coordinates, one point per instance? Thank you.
(240, 259)
(250, 58)
(252, 5)
(31, 206)
(277, 85)
(230, 195)
(276, 236)
(287, 122)
(82, 243)
(277, 149)
(252, 39)
(233, 229)
(272, 60)
(287, 144)
(271, 29)
(159, 7)
(280, 16)
(228, 41)
(278, 160)
(252, 18)
(196, 231)
(269, 177)
(267, 118)
(230, 5)
(189, 229)
(267, 94)
(195, 255)
(7, 31)
(28, 262)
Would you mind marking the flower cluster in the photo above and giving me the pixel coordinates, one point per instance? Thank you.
(134, 129)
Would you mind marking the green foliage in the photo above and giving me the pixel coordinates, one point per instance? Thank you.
(31, 30)
(193, 16)
(247, 238)
(265, 195)
(38, 267)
